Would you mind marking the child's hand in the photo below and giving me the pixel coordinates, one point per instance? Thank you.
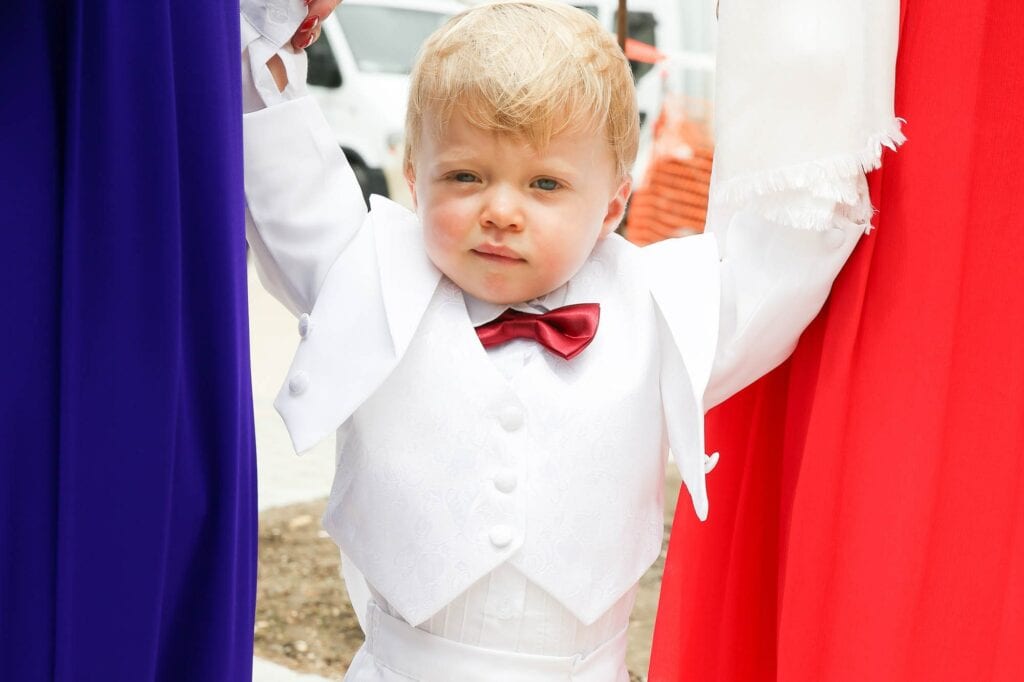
(309, 30)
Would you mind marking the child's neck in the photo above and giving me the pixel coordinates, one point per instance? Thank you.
(481, 311)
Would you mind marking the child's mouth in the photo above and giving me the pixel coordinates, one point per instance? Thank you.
(498, 254)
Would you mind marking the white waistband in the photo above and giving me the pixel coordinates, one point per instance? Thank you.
(419, 655)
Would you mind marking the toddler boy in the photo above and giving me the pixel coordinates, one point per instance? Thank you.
(504, 373)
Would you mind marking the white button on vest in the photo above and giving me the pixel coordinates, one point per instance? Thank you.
(511, 417)
(500, 536)
(305, 325)
(506, 481)
(298, 384)
(835, 238)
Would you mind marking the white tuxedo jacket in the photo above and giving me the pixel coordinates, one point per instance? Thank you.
(446, 469)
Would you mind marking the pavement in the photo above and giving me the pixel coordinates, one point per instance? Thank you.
(283, 477)
(265, 671)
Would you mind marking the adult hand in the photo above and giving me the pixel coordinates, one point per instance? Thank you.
(309, 30)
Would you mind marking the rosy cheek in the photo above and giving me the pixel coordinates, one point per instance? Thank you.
(557, 265)
(445, 231)
(560, 255)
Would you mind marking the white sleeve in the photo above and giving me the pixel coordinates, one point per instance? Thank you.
(304, 202)
(774, 280)
(275, 20)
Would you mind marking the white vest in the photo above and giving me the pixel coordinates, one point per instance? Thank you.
(446, 469)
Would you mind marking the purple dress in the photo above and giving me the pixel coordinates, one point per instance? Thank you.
(127, 468)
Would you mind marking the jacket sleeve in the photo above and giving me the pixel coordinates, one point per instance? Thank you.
(804, 106)
(736, 299)
(304, 204)
(773, 281)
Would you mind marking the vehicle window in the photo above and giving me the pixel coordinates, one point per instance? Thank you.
(323, 67)
(386, 39)
(639, 26)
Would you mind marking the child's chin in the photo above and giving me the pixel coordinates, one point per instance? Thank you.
(500, 295)
(499, 288)
(499, 299)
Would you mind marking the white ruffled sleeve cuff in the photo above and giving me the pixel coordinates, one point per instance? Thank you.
(804, 107)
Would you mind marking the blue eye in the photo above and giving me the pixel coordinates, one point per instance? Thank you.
(464, 177)
(546, 184)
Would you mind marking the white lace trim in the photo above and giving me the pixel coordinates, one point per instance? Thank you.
(833, 180)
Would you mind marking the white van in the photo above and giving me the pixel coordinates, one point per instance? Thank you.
(359, 74)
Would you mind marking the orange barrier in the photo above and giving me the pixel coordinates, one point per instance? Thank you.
(672, 201)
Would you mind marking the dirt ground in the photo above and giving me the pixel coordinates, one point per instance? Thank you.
(303, 618)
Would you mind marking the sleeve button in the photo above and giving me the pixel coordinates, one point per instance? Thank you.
(299, 383)
(305, 325)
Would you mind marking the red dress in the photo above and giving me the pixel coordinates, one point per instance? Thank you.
(867, 516)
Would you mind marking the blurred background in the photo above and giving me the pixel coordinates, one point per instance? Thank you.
(359, 74)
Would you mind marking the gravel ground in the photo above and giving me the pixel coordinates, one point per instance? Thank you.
(303, 618)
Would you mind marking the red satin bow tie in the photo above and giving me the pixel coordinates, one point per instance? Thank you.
(564, 331)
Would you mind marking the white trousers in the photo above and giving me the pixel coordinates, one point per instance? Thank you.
(397, 652)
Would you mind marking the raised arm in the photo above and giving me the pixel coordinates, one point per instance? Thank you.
(804, 107)
(737, 298)
(304, 204)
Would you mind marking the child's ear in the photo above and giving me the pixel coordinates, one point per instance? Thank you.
(410, 180)
(617, 207)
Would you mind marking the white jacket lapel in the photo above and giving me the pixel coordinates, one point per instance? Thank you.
(684, 281)
(407, 277)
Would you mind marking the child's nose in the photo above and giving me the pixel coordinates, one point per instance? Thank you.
(502, 210)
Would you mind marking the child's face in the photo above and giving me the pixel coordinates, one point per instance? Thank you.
(507, 222)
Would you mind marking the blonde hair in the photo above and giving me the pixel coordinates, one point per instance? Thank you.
(526, 68)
